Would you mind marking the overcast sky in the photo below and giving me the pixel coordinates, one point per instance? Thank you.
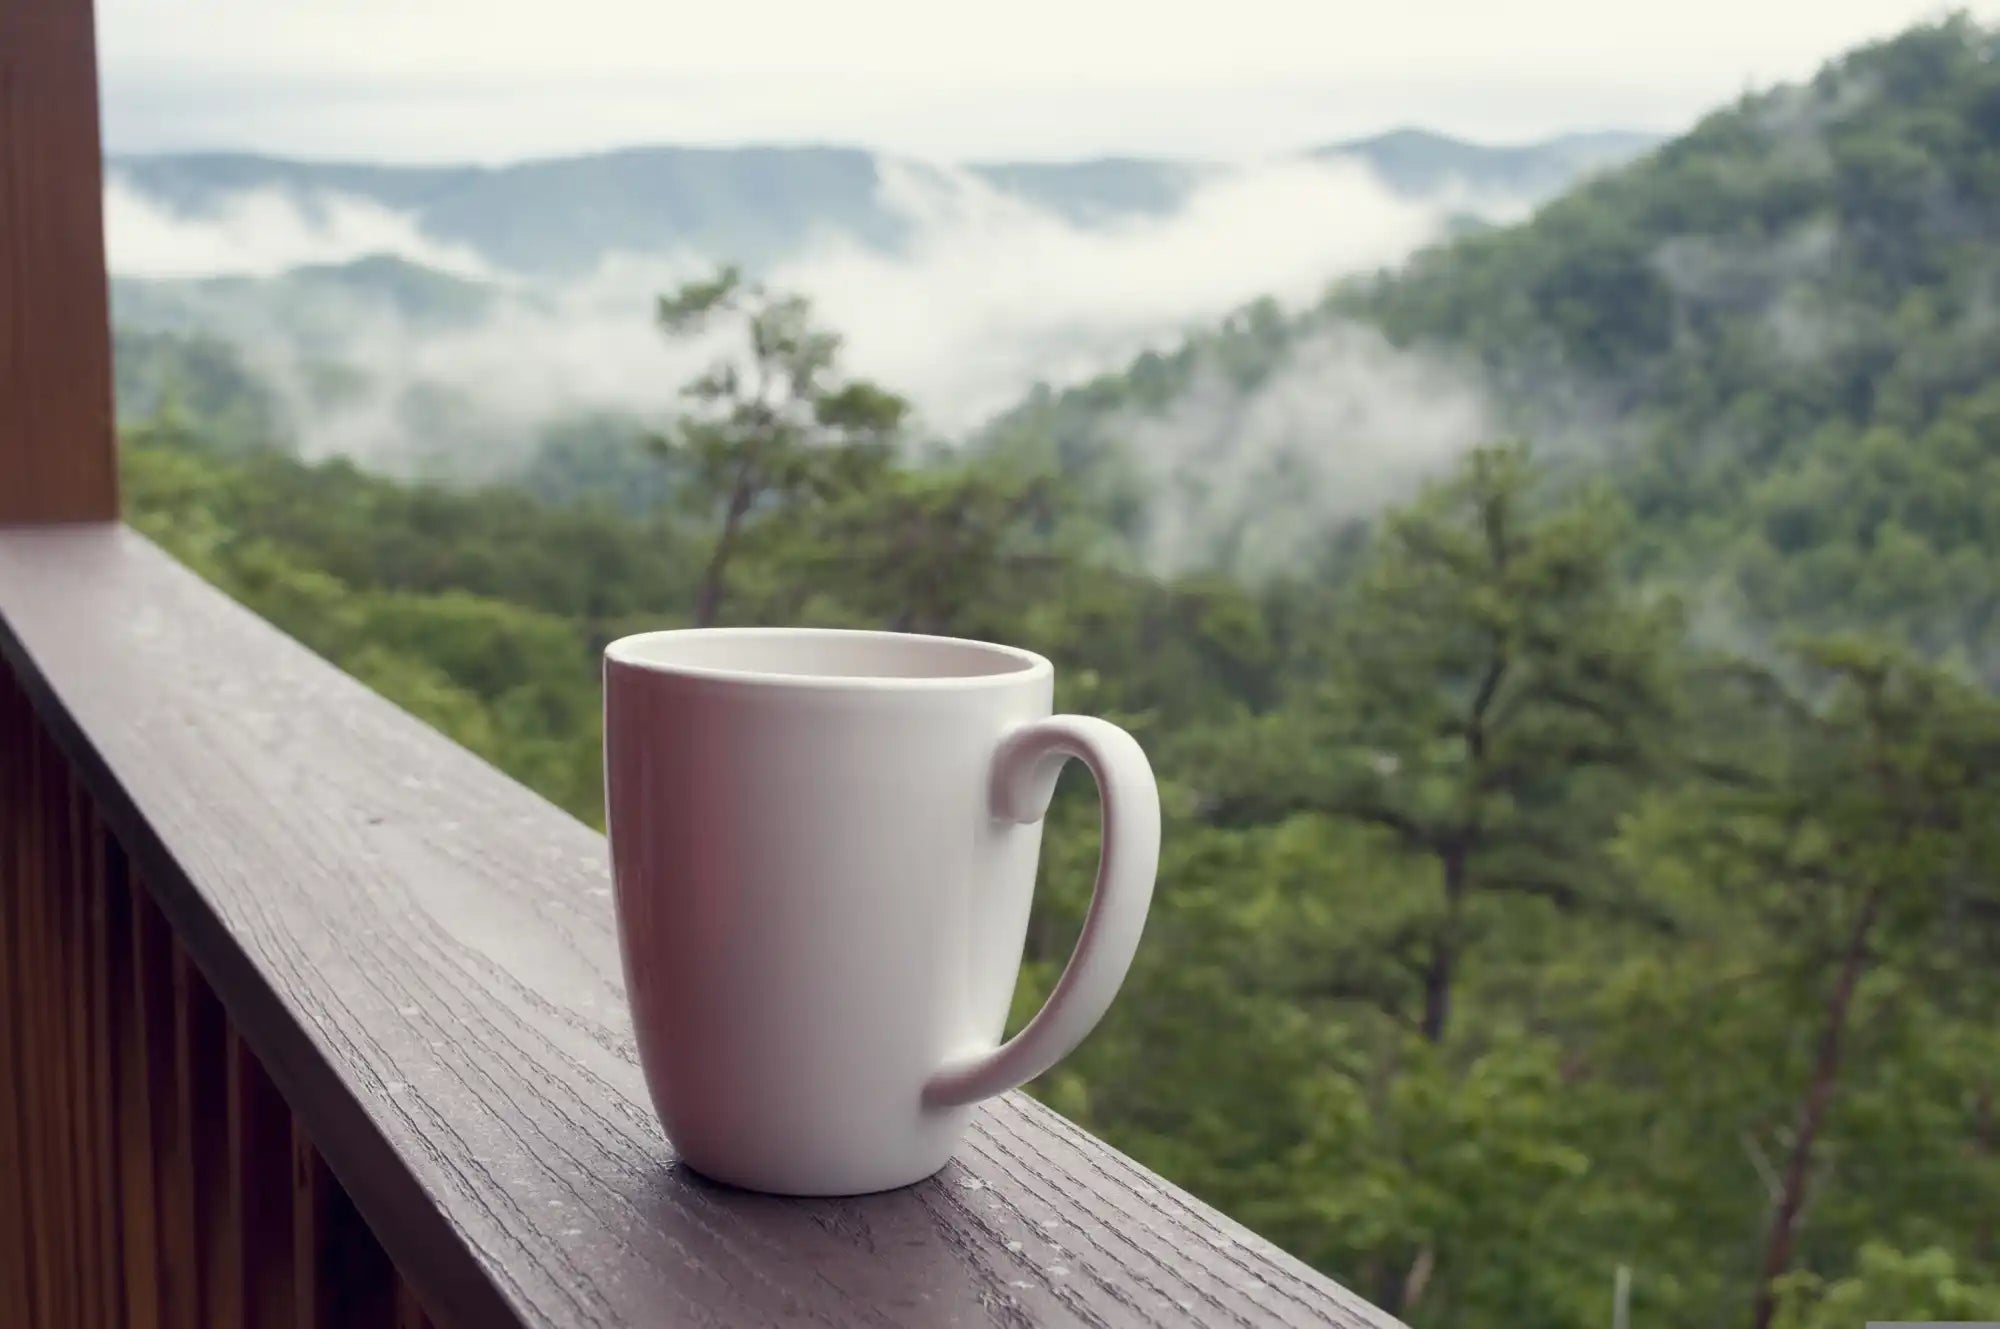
(494, 80)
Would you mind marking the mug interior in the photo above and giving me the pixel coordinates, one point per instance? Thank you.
(821, 654)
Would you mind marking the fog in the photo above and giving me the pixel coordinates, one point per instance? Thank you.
(995, 294)
(990, 296)
(259, 233)
(1346, 425)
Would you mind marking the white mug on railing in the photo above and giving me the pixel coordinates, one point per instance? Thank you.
(824, 846)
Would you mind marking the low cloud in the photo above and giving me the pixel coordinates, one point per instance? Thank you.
(1253, 481)
(262, 232)
(1733, 274)
(994, 294)
(990, 296)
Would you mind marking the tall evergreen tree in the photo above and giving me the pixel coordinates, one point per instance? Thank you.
(772, 421)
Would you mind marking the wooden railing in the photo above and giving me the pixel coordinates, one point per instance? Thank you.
(314, 1018)
(161, 1179)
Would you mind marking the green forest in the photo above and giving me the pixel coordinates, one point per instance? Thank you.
(1586, 871)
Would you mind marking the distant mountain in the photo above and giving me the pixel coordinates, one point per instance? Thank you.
(317, 308)
(1100, 189)
(1420, 163)
(561, 216)
(758, 205)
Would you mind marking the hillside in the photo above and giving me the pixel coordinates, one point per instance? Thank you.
(1778, 335)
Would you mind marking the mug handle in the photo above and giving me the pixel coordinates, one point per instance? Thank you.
(1024, 780)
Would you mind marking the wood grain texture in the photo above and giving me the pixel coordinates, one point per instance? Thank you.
(421, 954)
(57, 460)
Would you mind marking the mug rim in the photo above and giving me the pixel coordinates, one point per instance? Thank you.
(1026, 665)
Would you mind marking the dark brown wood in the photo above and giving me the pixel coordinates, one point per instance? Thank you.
(136, 1170)
(57, 457)
(16, 1241)
(58, 1269)
(260, 1191)
(73, 914)
(23, 941)
(97, 1006)
(202, 1086)
(66, 955)
(420, 953)
(409, 1309)
(105, 920)
(344, 1279)
(49, 1082)
(173, 1169)
(312, 1188)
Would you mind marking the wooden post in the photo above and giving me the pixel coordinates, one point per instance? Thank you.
(57, 460)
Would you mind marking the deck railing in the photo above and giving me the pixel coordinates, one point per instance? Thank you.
(157, 1175)
(309, 1017)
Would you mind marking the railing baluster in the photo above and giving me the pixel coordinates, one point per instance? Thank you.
(260, 1170)
(143, 1282)
(173, 1182)
(16, 1238)
(309, 1183)
(73, 914)
(52, 1305)
(202, 1087)
(151, 1162)
(103, 1058)
(344, 1279)
(64, 1100)
(27, 958)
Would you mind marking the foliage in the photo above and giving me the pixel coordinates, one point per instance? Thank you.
(1635, 984)
(1924, 1286)
(770, 426)
(168, 381)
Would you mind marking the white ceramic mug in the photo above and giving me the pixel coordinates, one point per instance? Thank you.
(824, 846)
